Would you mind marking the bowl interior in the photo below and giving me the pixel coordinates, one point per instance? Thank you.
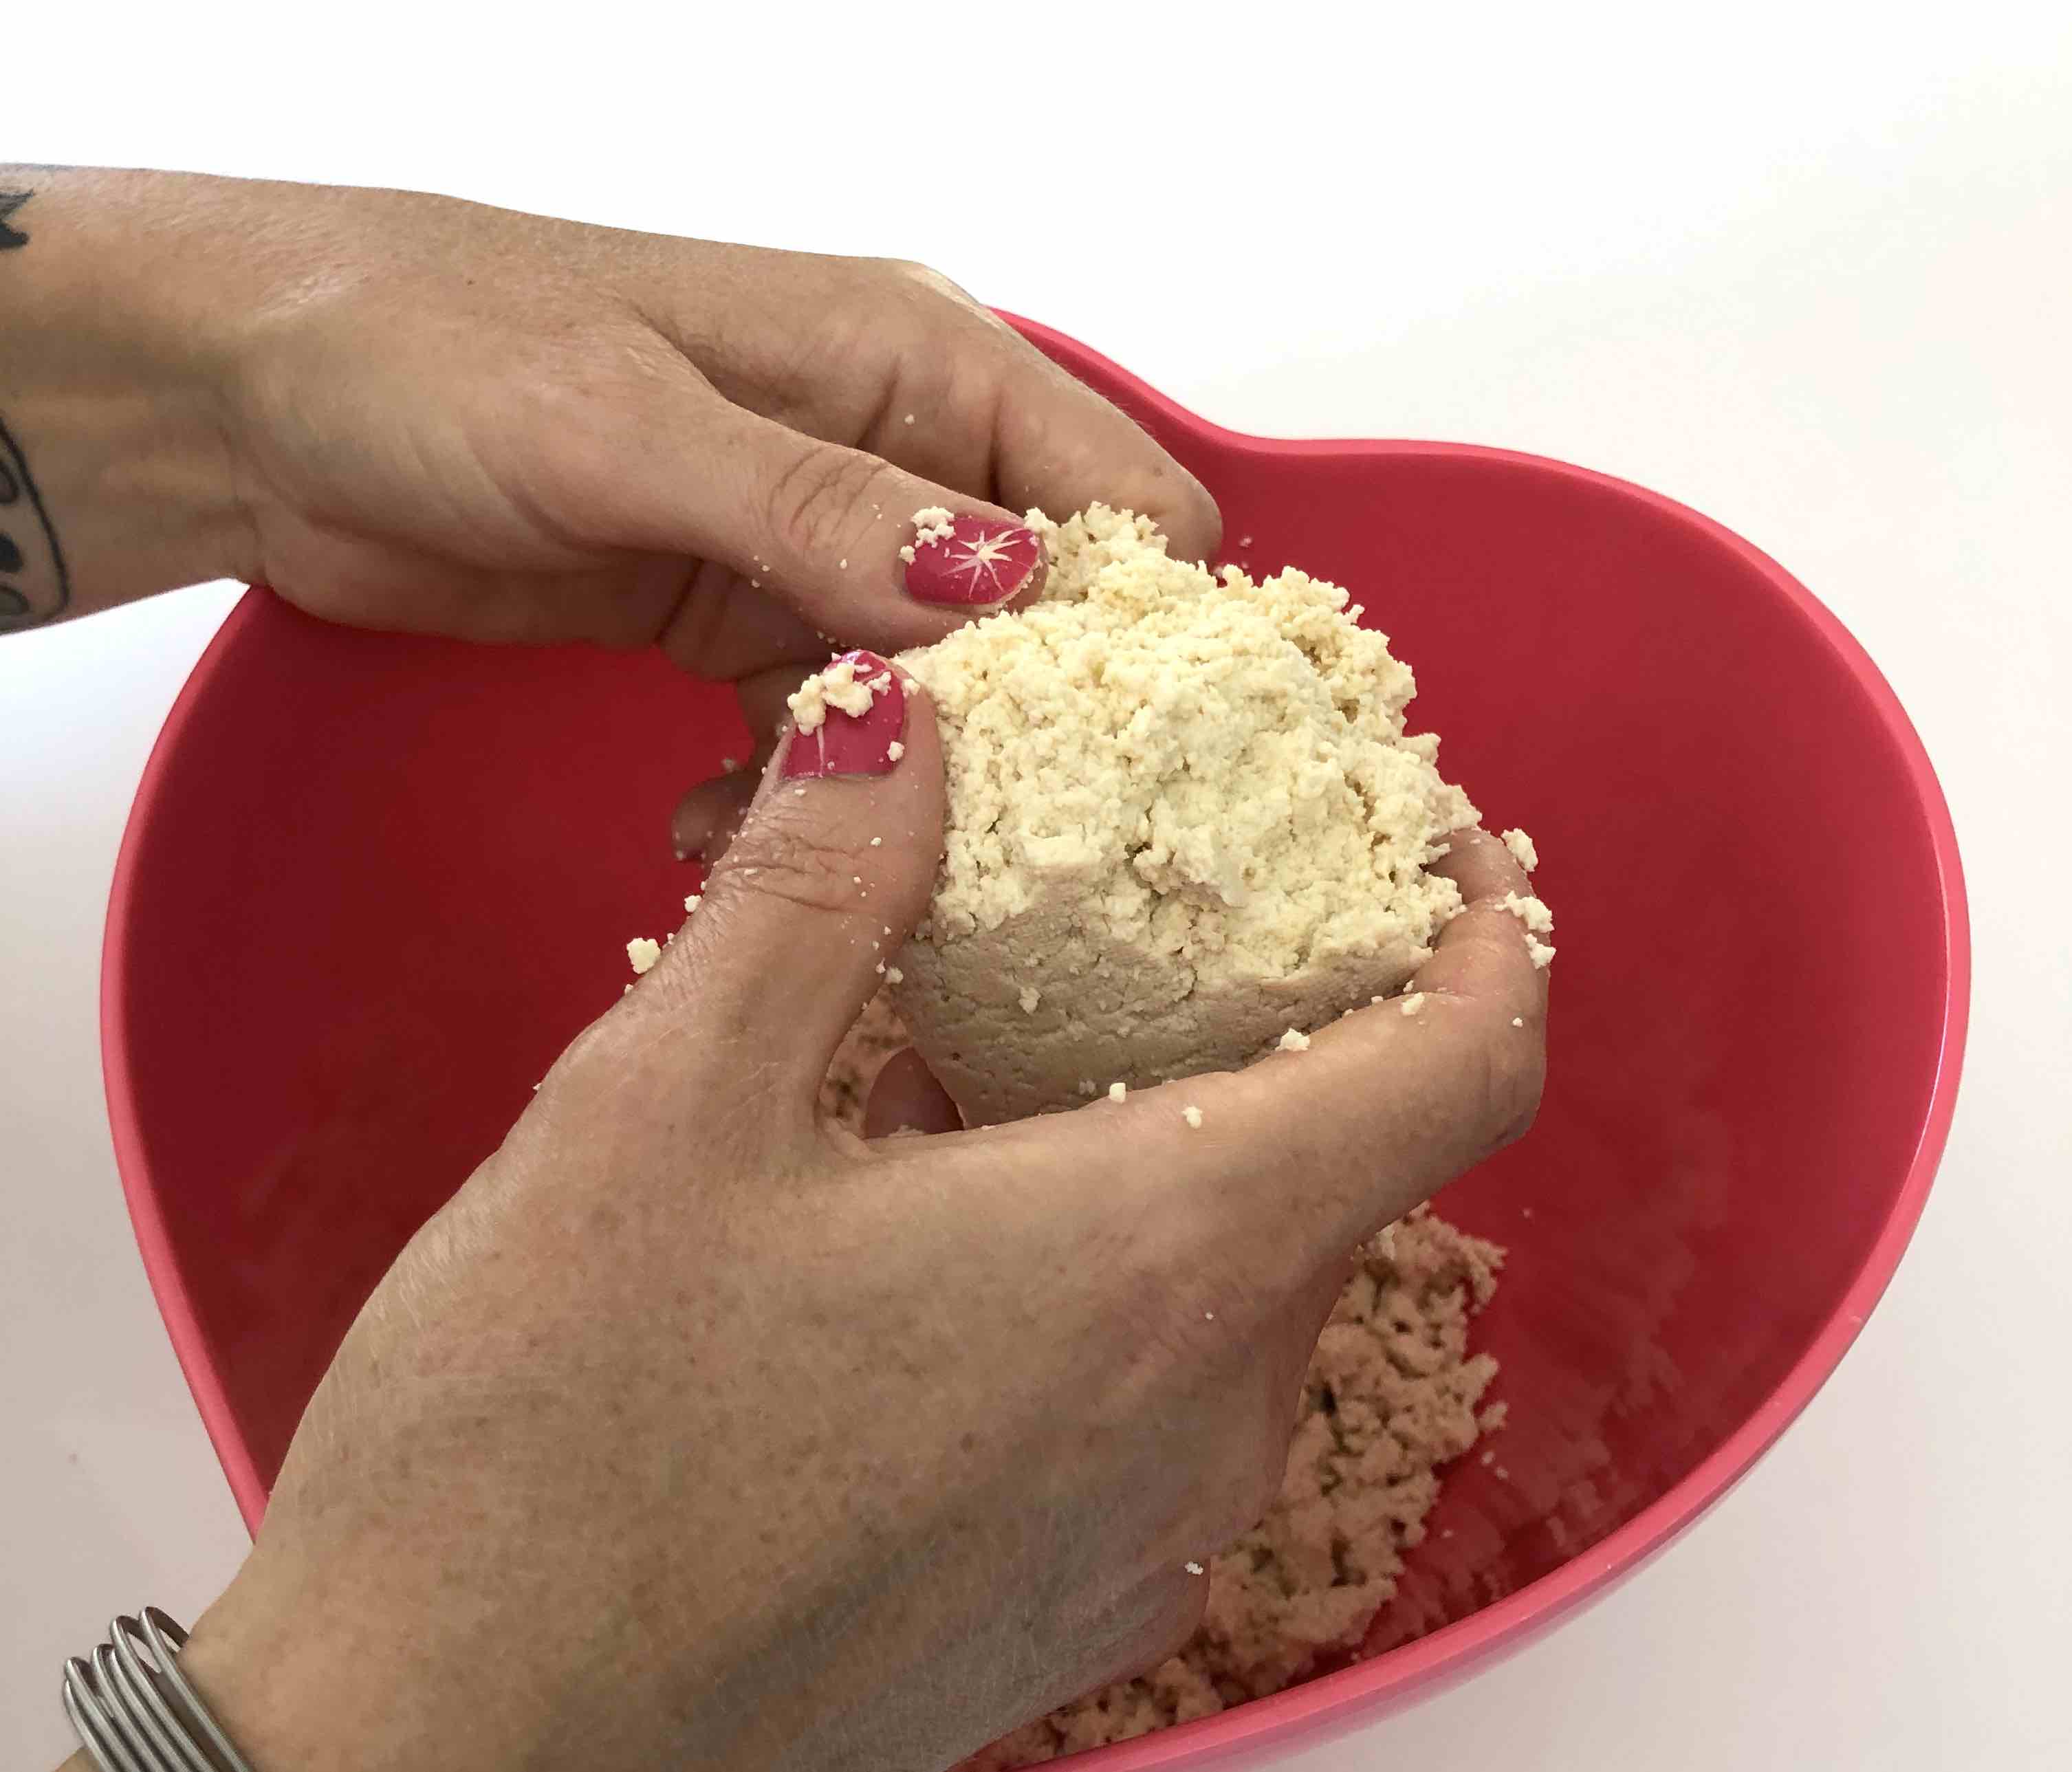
(375, 883)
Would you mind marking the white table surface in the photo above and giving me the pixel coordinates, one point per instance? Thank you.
(1804, 267)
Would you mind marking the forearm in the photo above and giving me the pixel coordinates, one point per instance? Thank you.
(115, 468)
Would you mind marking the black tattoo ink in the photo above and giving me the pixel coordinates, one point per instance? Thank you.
(35, 587)
(9, 202)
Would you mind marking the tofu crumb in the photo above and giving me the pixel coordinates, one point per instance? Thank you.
(1031, 997)
(798, 793)
(1192, 1114)
(692, 900)
(879, 968)
(1088, 1086)
(837, 687)
(1414, 1003)
(1116, 1092)
(1518, 1020)
(909, 418)
(1538, 952)
(877, 842)
(844, 564)
(1294, 1040)
(1523, 849)
(907, 553)
(1244, 541)
(893, 975)
(895, 750)
(1531, 912)
(1194, 1569)
(642, 951)
(729, 765)
(932, 523)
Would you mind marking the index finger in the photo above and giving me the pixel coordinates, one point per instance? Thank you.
(1059, 445)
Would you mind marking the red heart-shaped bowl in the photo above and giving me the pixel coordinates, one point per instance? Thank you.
(371, 884)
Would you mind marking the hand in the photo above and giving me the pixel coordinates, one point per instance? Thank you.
(695, 1432)
(409, 412)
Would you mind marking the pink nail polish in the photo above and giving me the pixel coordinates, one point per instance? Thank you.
(981, 561)
(865, 743)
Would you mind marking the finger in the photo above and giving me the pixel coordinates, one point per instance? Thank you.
(856, 546)
(1298, 1158)
(1060, 445)
(906, 1098)
(705, 819)
(825, 881)
(725, 628)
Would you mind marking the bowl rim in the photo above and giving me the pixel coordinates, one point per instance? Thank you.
(1333, 1700)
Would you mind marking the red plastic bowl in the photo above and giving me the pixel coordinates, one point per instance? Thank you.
(372, 884)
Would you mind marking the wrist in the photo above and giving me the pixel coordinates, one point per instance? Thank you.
(112, 380)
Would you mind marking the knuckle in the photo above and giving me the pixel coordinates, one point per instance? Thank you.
(1517, 1082)
(776, 857)
(812, 504)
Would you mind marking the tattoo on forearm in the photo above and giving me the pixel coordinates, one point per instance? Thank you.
(34, 584)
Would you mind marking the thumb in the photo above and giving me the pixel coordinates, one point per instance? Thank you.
(831, 870)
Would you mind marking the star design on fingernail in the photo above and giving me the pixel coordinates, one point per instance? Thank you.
(985, 555)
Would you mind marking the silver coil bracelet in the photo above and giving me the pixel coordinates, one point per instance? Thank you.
(136, 1712)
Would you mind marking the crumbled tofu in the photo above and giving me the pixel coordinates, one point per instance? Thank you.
(692, 900)
(1244, 541)
(1088, 1086)
(1192, 1114)
(932, 523)
(1028, 999)
(844, 564)
(1294, 1040)
(1193, 1567)
(1414, 1003)
(907, 553)
(1518, 1020)
(909, 418)
(1116, 1092)
(642, 951)
(729, 765)
(895, 750)
(837, 687)
(1538, 952)
(893, 975)
(1523, 849)
(877, 842)
(1531, 912)
(1181, 804)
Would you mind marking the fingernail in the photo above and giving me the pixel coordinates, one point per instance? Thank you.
(982, 561)
(838, 731)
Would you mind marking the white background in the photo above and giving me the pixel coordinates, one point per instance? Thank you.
(1806, 268)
